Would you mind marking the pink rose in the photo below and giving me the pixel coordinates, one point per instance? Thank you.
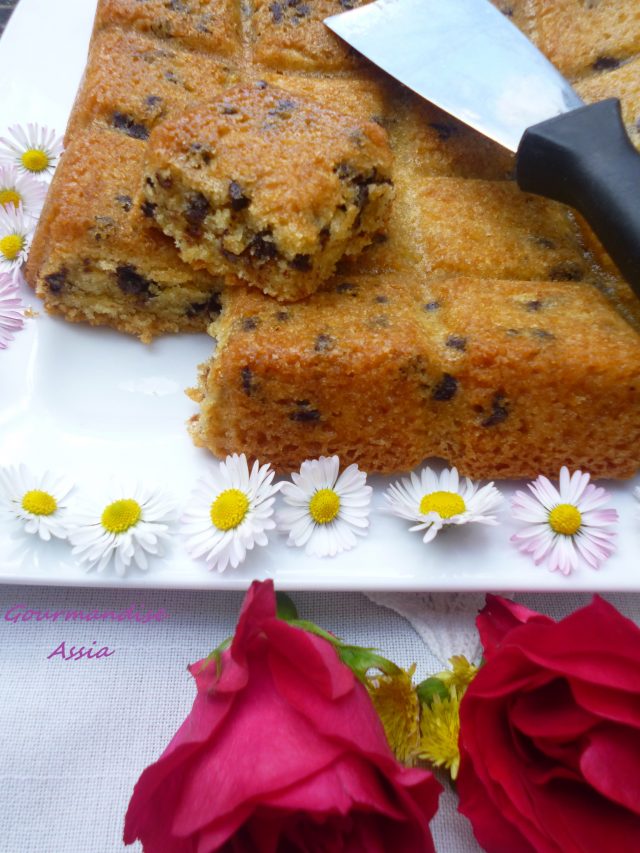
(550, 732)
(282, 750)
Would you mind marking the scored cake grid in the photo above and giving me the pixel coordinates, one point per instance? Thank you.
(457, 212)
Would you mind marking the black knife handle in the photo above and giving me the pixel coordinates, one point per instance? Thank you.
(584, 158)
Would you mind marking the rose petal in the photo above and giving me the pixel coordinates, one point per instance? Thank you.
(498, 617)
(265, 746)
(611, 764)
(314, 659)
(550, 711)
(493, 832)
(617, 705)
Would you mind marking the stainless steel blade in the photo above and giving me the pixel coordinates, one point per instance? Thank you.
(464, 56)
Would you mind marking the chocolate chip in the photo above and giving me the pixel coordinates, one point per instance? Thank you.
(149, 181)
(165, 181)
(382, 299)
(569, 271)
(197, 208)
(543, 334)
(276, 12)
(347, 4)
(456, 342)
(56, 280)
(302, 263)
(250, 324)
(247, 381)
(212, 306)
(446, 388)
(125, 201)
(131, 282)
(347, 287)
(533, 305)
(432, 306)
(262, 247)
(499, 413)
(129, 126)
(237, 197)
(605, 63)
(305, 415)
(324, 343)
(324, 235)
(148, 209)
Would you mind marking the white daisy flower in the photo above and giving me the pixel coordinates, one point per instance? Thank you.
(35, 150)
(10, 310)
(325, 512)
(17, 189)
(36, 504)
(133, 523)
(435, 502)
(16, 231)
(567, 526)
(230, 512)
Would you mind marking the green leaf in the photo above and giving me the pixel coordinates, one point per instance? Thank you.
(285, 607)
(216, 655)
(431, 687)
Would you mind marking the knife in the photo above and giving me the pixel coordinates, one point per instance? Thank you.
(466, 57)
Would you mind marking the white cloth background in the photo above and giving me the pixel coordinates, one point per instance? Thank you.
(74, 736)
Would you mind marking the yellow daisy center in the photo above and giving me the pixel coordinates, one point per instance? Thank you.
(9, 196)
(446, 504)
(35, 160)
(229, 509)
(11, 246)
(565, 519)
(37, 502)
(120, 516)
(324, 506)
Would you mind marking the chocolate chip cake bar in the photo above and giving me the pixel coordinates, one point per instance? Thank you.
(267, 189)
(484, 325)
(502, 378)
(93, 258)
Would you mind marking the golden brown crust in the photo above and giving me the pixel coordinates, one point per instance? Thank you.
(133, 82)
(207, 25)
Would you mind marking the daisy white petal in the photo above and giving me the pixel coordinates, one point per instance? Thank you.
(16, 232)
(34, 150)
(230, 510)
(17, 189)
(121, 529)
(37, 504)
(569, 526)
(11, 308)
(438, 501)
(325, 510)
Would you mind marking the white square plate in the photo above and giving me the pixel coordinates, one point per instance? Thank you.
(92, 402)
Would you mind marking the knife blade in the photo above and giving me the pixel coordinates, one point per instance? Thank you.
(470, 60)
